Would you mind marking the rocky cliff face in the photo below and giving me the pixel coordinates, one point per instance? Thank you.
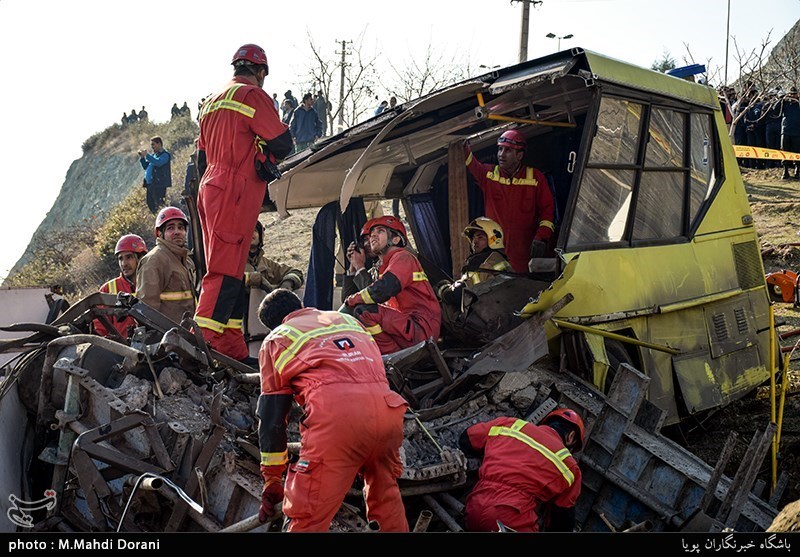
(107, 172)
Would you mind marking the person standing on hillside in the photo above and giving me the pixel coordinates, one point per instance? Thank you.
(232, 123)
(322, 106)
(790, 131)
(129, 249)
(157, 173)
(165, 276)
(306, 126)
(143, 115)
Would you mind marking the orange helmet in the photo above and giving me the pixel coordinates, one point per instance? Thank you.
(250, 54)
(570, 416)
(167, 214)
(130, 242)
(513, 139)
(390, 222)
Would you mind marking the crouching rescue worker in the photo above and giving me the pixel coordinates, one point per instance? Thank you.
(353, 422)
(129, 249)
(516, 196)
(165, 278)
(528, 480)
(267, 274)
(399, 309)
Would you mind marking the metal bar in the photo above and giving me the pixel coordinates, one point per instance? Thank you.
(454, 504)
(423, 520)
(743, 493)
(722, 462)
(443, 515)
(529, 121)
(615, 336)
(202, 462)
(441, 365)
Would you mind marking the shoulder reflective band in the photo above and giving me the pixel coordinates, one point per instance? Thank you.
(176, 296)
(299, 339)
(228, 103)
(748, 152)
(515, 431)
(112, 286)
(419, 275)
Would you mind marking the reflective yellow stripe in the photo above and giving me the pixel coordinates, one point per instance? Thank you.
(515, 431)
(112, 286)
(228, 103)
(366, 296)
(234, 324)
(419, 275)
(501, 266)
(177, 296)
(529, 180)
(274, 459)
(297, 343)
(547, 224)
(374, 330)
(469, 159)
(208, 323)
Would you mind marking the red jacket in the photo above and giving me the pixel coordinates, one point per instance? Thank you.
(525, 467)
(227, 137)
(522, 204)
(119, 284)
(403, 285)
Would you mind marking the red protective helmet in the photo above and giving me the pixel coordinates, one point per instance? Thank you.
(390, 222)
(130, 242)
(513, 139)
(250, 53)
(568, 415)
(167, 214)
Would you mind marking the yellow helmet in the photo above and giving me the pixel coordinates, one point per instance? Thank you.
(493, 231)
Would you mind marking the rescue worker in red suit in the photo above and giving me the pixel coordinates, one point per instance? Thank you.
(352, 424)
(518, 197)
(528, 480)
(231, 193)
(399, 309)
(128, 250)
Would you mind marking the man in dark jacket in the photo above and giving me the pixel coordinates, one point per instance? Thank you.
(157, 173)
(306, 127)
(790, 131)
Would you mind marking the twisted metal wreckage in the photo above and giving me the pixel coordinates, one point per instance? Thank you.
(160, 435)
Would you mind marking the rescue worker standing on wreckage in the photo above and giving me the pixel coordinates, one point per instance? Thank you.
(516, 196)
(399, 309)
(129, 249)
(528, 480)
(233, 124)
(352, 421)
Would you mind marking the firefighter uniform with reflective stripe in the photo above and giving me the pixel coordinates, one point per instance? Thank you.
(522, 204)
(407, 311)
(352, 424)
(165, 280)
(525, 469)
(124, 326)
(229, 201)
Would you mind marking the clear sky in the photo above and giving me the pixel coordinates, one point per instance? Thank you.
(71, 68)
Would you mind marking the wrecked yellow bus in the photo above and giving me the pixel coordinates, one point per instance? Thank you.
(655, 241)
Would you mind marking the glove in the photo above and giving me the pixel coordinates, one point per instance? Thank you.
(253, 278)
(537, 249)
(440, 288)
(287, 284)
(272, 493)
(354, 299)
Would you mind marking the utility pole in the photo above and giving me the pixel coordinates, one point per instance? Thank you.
(523, 34)
(727, 41)
(342, 66)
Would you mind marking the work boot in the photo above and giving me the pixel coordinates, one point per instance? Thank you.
(786, 174)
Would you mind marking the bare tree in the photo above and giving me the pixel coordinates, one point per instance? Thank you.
(360, 79)
(418, 77)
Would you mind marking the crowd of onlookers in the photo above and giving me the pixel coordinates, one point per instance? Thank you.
(768, 119)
